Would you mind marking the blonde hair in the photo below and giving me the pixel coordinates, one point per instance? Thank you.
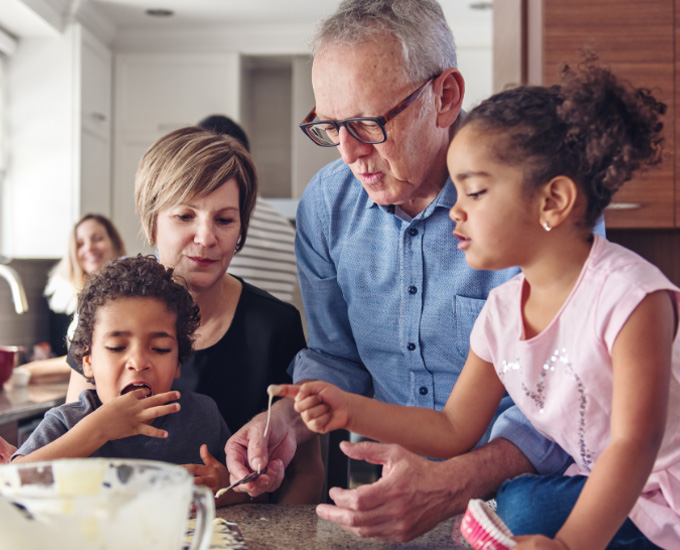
(192, 162)
(68, 270)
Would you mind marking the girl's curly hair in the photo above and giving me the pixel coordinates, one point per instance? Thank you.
(594, 128)
(138, 277)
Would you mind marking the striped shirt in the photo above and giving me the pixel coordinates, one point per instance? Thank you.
(267, 260)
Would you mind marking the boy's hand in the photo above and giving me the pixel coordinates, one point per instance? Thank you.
(212, 473)
(322, 406)
(132, 414)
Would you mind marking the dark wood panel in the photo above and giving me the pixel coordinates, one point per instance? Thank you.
(674, 149)
(661, 247)
(637, 41)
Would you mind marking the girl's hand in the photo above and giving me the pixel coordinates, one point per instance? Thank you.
(212, 473)
(322, 406)
(539, 542)
(132, 414)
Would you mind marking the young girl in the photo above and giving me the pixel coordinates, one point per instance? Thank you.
(135, 326)
(583, 340)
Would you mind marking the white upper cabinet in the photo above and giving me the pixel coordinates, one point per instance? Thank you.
(59, 127)
(95, 127)
(154, 95)
(96, 86)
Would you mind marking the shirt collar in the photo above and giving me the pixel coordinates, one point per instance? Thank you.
(446, 199)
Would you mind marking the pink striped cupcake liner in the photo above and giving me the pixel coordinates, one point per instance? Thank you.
(483, 529)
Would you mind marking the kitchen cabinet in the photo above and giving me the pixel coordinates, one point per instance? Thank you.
(95, 126)
(59, 120)
(639, 41)
(154, 95)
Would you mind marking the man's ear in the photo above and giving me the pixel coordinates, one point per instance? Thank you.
(87, 366)
(450, 89)
(558, 199)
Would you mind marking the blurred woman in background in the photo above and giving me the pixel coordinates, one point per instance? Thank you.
(93, 242)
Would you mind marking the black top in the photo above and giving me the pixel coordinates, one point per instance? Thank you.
(59, 323)
(264, 337)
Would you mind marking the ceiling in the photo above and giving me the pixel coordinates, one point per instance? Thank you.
(193, 13)
(24, 18)
(470, 20)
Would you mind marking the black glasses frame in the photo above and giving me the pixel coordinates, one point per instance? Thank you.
(308, 123)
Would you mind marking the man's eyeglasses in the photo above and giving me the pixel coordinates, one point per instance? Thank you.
(326, 133)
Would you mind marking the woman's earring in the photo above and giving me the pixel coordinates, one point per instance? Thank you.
(546, 226)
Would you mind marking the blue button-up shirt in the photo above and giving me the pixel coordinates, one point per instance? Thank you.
(390, 301)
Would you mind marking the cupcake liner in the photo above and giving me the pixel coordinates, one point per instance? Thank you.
(483, 529)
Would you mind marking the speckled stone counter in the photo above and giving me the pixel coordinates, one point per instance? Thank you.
(20, 403)
(269, 526)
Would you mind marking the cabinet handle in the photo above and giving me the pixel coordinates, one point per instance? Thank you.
(98, 116)
(624, 206)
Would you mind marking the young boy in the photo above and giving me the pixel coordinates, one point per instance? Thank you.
(135, 326)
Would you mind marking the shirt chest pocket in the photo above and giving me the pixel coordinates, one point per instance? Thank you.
(465, 311)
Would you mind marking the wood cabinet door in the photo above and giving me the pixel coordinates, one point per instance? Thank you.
(637, 41)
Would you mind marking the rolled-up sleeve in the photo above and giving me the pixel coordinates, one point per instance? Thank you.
(545, 455)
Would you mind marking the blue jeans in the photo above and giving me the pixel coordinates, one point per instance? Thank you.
(539, 505)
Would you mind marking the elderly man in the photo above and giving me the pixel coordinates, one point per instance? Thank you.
(389, 299)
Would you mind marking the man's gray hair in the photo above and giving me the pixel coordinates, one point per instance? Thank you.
(419, 26)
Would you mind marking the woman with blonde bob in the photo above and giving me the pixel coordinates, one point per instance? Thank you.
(194, 192)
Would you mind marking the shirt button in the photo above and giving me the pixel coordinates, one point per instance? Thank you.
(412, 289)
(422, 390)
(411, 346)
(413, 232)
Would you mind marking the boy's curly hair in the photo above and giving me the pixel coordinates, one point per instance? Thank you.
(138, 277)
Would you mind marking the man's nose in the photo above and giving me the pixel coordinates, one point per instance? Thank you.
(351, 148)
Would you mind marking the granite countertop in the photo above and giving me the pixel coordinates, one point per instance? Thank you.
(272, 526)
(25, 402)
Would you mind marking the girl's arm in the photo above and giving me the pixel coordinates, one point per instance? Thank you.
(456, 429)
(641, 360)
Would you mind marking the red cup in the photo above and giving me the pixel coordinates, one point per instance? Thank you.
(9, 358)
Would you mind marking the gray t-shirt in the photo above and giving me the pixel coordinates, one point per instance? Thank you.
(197, 422)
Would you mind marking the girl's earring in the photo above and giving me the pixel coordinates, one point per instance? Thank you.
(546, 226)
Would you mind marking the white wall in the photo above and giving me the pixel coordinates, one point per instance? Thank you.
(38, 202)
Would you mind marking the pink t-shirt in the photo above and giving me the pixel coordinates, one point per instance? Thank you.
(561, 379)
